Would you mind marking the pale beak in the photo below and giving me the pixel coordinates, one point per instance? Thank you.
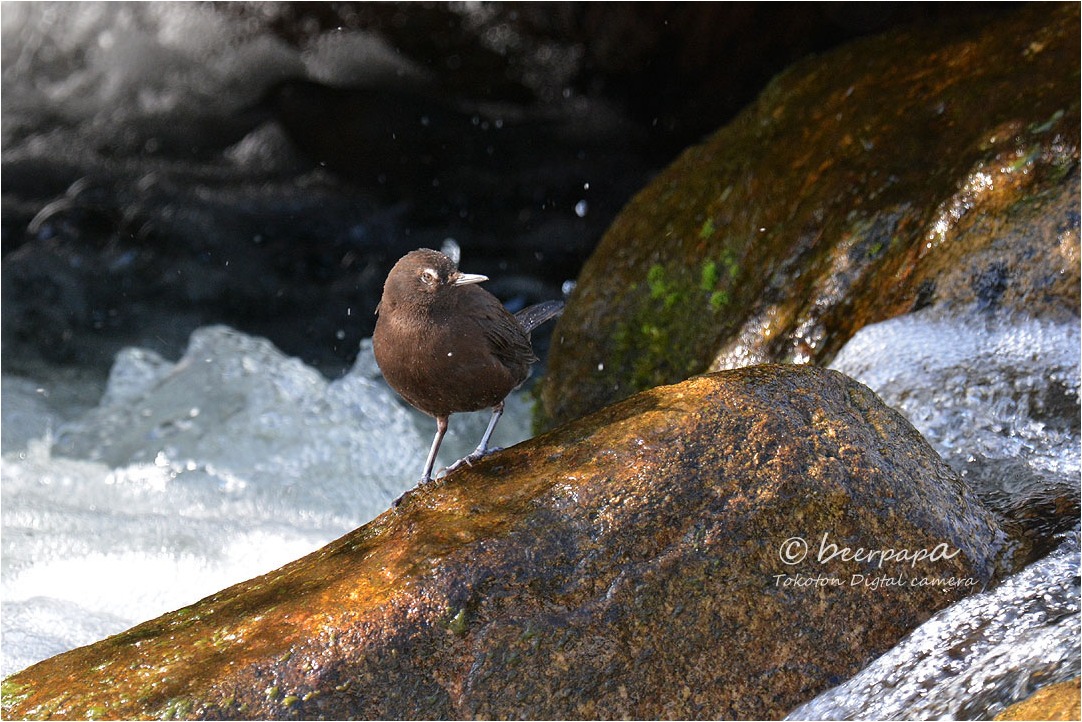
(461, 279)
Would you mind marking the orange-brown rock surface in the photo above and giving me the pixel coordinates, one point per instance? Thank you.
(644, 562)
(1060, 701)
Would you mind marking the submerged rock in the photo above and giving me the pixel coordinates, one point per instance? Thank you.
(1060, 701)
(976, 657)
(726, 547)
(916, 169)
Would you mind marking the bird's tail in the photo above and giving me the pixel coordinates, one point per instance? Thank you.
(533, 316)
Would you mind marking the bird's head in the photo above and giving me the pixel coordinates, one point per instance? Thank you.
(424, 276)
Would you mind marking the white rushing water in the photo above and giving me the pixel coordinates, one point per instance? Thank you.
(192, 476)
(979, 390)
(974, 658)
(123, 72)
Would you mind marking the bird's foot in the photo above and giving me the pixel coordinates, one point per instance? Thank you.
(475, 455)
(464, 461)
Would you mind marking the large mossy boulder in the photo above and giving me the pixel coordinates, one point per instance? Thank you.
(913, 169)
(645, 561)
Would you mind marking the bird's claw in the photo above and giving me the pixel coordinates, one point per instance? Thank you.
(468, 460)
(464, 461)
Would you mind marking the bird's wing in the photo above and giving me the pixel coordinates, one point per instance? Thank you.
(509, 342)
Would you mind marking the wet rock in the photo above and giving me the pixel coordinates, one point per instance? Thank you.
(911, 170)
(645, 561)
(1055, 702)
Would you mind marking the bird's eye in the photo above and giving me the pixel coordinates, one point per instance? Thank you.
(429, 277)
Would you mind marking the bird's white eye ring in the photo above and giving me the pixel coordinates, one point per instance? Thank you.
(429, 277)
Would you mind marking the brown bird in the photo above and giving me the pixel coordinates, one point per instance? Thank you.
(447, 345)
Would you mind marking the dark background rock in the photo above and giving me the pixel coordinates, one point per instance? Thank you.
(676, 70)
(625, 565)
(917, 168)
(125, 229)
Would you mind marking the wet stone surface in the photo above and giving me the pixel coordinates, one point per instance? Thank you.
(545, 580)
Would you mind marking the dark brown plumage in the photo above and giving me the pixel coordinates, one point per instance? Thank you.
(447, 345)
